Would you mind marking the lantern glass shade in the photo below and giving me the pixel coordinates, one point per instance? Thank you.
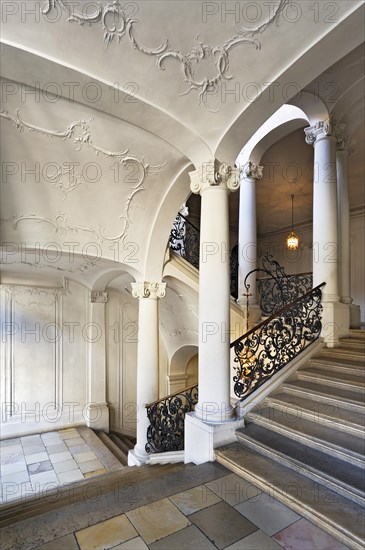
(292, 241)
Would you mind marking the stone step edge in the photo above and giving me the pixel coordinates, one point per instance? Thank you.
(320, 379)
(323, 396)
(313, 442)
(327, 363)
(287, 499)
(340, 424)
(303, 469)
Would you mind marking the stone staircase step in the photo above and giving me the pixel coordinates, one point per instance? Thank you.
(340, 364)
(343, 352)
(120, 443)
(357, 333)
(334, 379)
(311, 389)
(327, 470)
(339, 516)
(113, 448)
(353, 343)
(330, 440)
(324, 413)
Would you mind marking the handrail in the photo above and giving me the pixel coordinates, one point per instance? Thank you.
(274, 315)
(286, 276)
(189, 222)
(170, 395)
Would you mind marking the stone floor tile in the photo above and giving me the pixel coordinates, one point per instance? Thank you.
(69, 477)
(90, 466)
(157, 520)
(222, 524)
(85, 457)
(15, 477)
(37, 457)
(233, 489)
(63, 543)
(56, 448)
(73, 441)
(9, 442)
(19, 466)
(60, 457)
(78, 449)
(65, 466)
(10, 458)
(267, 513)
(133, 544)
(186, 539)
(306, 536)
(10, 450)
(33, 449)
(31, 440)
(257, 541)
(39, 467)
(43, 478)
(194, 499)
(68, 434)
(106, 534)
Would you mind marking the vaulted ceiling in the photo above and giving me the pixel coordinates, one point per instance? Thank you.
(108, 105)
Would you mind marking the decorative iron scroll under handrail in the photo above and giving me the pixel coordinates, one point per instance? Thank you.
(185, 241)
(268, 347)
(278, 289)
(167, 417)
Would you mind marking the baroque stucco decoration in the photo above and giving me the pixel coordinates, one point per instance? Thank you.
(79, 133)
(117, 23)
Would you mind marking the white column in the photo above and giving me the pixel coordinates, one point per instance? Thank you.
(147, 361)
(335, 320)
(345, 147)
(214, 181)
(213, 423)
(97, 413)
(247, 232)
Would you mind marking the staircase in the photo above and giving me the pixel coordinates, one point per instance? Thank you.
(304, 444)
(118, 444)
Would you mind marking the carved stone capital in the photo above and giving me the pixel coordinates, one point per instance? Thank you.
(97, 297)
(148, 290)
(214, 174)
(252, 170)
(321, 129)
(345, 143)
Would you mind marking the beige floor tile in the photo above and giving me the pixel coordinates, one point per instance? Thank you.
(134, 544)
(69, 477)
(85, 457)
(233, 489)
(106, 534)
(90, 466)
(60, 457)
(65, 466)
(68, 434)
(74, 441)
(157, 520)
(195, 499)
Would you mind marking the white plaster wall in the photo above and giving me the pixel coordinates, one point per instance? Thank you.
(43, 356)
(121, 343)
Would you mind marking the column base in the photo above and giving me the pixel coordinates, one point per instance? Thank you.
(201, 439)
(97, 416)
(355, 316)
(136, 458)
(214, 414)
(335, 322)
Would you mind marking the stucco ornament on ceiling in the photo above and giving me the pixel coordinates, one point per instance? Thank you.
(117, 23)
(79, 133)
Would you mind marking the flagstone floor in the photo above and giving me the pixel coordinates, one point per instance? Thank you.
(193, 507)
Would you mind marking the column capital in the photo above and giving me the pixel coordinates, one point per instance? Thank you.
(322, 129)
(345, 143)
(214, 174)
(97, 297)
(252, 170)
(148, 290)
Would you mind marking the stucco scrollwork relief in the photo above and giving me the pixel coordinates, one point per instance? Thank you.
(32, 297)
(80, 134)
(214, 173)
(148, 290)
(117, 22)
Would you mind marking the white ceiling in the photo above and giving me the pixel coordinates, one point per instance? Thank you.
(125, 95)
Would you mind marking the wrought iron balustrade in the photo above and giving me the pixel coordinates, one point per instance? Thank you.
(278, 289)
(267, 348)
(185, 241)
(167, 417)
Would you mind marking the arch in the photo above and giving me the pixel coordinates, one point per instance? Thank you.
(177, 370)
